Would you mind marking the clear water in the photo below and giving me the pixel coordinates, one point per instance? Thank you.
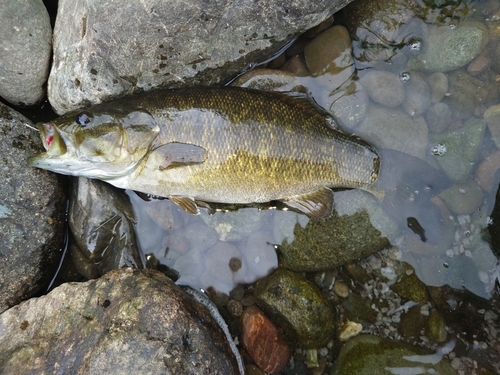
(228, 248)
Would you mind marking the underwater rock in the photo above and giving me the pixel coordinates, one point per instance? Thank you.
(297, 66)
(128, 321)
(384, 88)
(492, 118)
(450, 48)
(463, 198)
(487, 170)
(349, 106)
(436, 327)
(238, 225)
(438, 117)
(32, 205)
(417, 95)
(412, 323)
(101, 221)
(296, 306)
(438, 84)
(263, 341)
(392, 128)
(462, 146)
(25, 51)
(99, 56)
(410, 287)
(345, 236)
(367, 355)
(331, 52)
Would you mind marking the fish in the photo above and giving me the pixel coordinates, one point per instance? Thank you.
(200, 145)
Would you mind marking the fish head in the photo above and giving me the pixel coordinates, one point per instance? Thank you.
(96, 143)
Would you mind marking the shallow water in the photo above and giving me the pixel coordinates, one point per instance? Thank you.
(454, 252)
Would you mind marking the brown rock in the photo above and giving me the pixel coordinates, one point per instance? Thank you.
(485, 172)
(263, 341)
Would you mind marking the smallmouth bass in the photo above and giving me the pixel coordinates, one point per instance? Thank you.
(225, 145)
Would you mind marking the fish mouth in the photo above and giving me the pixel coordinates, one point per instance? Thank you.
(52, 140)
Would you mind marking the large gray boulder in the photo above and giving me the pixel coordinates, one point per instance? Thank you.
(105, 50)
(126, 322)
(25, 48)
(32, 205)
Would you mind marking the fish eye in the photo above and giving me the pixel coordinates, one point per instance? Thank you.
(83, 119)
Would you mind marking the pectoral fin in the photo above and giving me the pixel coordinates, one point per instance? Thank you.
(186, 203)
(318, 204)
(176, 154)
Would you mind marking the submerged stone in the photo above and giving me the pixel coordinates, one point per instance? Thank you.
(296, 306)
(263, 341)
(462, 146)
(451, 48)
(353, 231)
(368, 355)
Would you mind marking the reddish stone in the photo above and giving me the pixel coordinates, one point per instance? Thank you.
(263, 341)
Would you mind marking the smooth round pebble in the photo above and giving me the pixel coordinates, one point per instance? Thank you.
(438, 117)
(384, 88)
(463, 198)
(438, 85)
(417, 95)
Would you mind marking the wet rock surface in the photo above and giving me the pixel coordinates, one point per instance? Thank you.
(101, 222)
(25, 51)
(297, 307)
(98, 56)
(125, 322)
(32, 205)
(368, 354)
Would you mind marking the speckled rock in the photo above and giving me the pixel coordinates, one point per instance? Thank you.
(367, 355)
(99, 56)
(32, 204)
(384, 88)
(462, 146)
(25, 50)
(394, 129)
(317, 246)
(125, 322)
(451, 48)
(296, 306)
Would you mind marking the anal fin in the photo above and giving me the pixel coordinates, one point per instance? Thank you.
(318, 204)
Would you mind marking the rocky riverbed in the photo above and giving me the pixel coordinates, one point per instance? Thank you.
(400, 280)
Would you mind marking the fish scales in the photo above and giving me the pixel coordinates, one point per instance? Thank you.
(231, 145)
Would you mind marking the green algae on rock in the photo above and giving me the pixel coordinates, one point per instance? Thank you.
(368, 355)
(296, 306)
(353, 231)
